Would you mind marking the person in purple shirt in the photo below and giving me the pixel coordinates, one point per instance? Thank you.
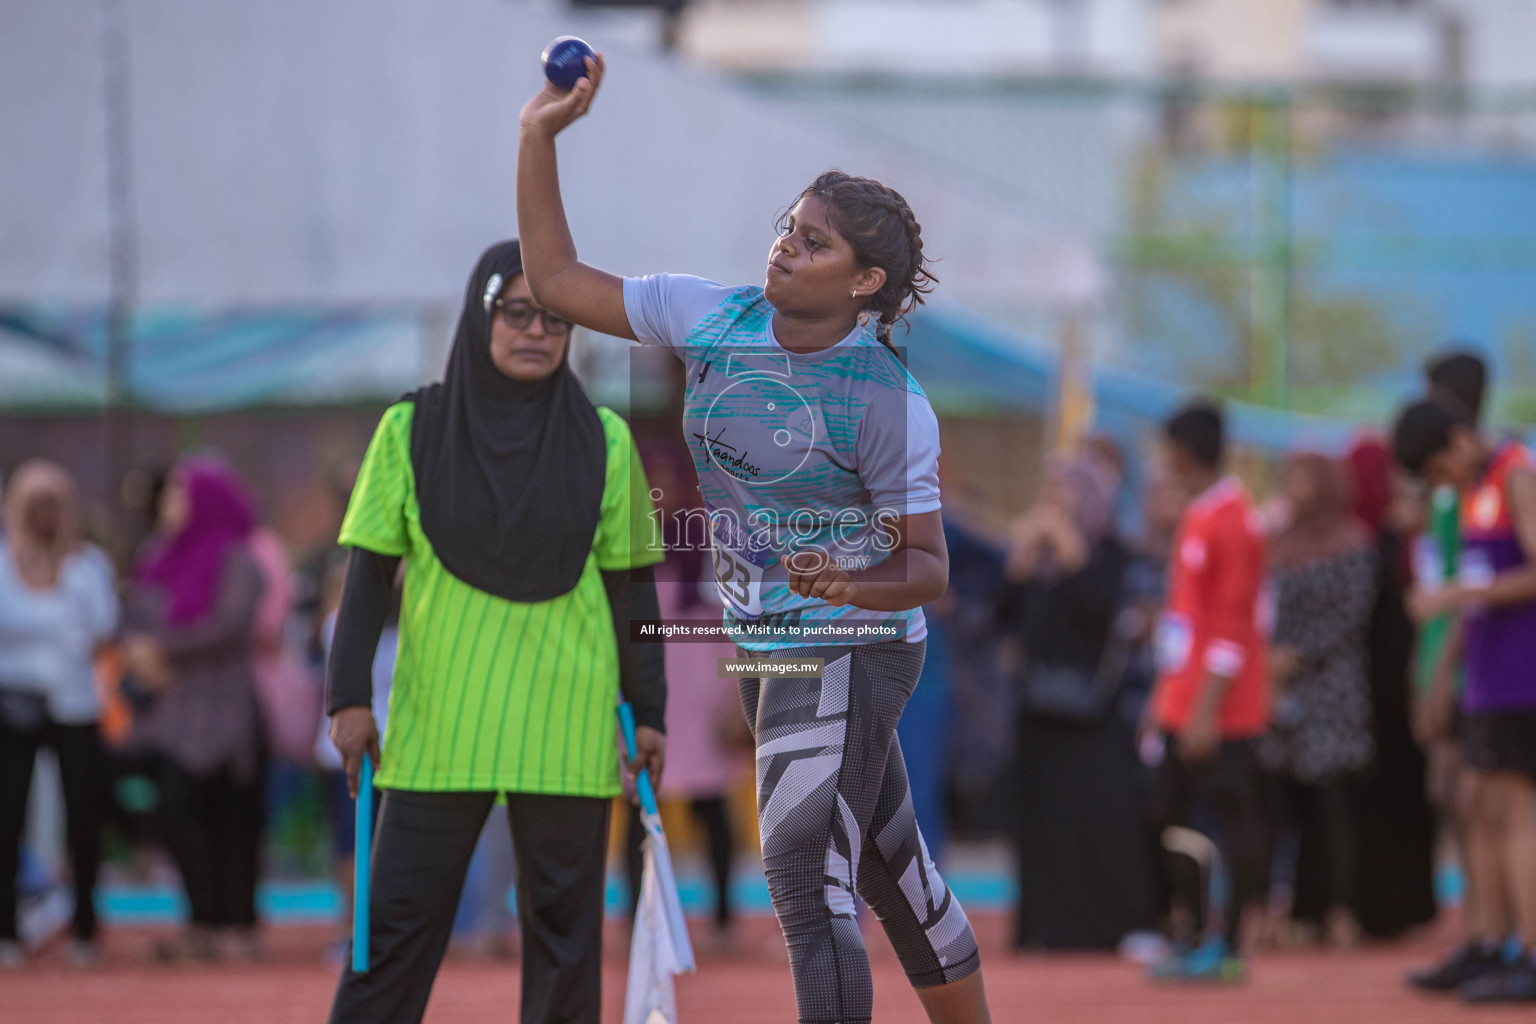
(1494, 598)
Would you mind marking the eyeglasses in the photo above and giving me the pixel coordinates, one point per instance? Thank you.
(517, 315)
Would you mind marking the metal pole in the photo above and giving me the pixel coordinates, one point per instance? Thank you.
(1270, 360)
(122, 244)
(1286, 257)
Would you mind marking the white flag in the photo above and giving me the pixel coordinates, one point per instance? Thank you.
(660, 948)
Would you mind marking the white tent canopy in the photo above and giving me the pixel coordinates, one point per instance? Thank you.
(345, 151)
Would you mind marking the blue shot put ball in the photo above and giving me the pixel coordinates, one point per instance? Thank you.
(565, 61)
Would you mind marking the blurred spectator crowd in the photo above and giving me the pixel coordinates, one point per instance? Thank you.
(1212, 714)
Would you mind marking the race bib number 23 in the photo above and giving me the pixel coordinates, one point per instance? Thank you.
(738, 569)
(740, 580)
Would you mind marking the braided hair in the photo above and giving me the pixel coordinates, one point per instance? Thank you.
(883, 232)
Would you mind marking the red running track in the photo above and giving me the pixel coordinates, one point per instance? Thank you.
(749, 985)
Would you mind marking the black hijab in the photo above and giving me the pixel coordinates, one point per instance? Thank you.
(509, 475)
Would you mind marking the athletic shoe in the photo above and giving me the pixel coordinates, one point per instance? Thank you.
(45, 916)
(1512, 983)
(1145, 948)
(81, 953)
(1466, 963)
(12, 956)
(1210, 963)
(240, 946)
(195, 945)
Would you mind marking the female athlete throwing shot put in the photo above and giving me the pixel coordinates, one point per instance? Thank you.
(817, 459)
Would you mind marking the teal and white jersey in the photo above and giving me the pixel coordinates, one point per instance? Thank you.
(793, 451)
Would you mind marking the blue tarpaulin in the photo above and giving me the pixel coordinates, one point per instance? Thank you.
(187, 362)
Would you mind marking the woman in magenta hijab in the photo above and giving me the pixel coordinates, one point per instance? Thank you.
(190, 617)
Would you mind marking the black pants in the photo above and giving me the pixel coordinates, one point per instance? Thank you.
(1229, 785)
(713, 813)
(1085, 878)
(1328, 857)
(81, 767)
(420, 856)
(212, 826)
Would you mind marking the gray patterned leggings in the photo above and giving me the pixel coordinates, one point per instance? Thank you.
(836, 817)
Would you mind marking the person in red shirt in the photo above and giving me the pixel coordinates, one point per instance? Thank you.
(1211, 701)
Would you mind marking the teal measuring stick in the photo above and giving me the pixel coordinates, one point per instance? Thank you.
(361, 860)
(643, 782)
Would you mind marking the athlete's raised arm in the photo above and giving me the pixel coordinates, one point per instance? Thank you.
(559, 281)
